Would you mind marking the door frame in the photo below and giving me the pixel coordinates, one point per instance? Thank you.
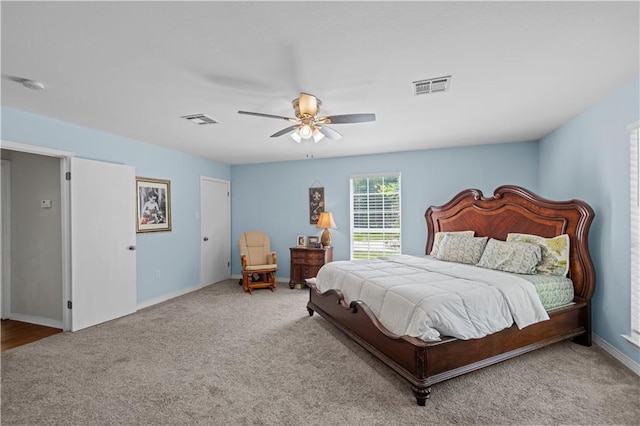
(5, 247)
(65, 225)
(228, 242)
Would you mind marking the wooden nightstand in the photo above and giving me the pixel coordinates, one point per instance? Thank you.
(306, 262)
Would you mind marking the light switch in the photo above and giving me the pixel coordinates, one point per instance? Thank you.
(45, 204)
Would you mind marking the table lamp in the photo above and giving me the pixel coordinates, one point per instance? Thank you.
(326, 221)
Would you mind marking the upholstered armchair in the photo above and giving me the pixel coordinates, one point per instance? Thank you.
(258, 261)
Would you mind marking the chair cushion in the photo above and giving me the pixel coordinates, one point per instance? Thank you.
(255, 245)
(264, 268)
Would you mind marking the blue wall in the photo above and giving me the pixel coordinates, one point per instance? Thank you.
(274, 197)
(177, 253)
(588, 158)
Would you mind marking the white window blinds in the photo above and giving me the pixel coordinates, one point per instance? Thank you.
(375, 215)
(634, 152)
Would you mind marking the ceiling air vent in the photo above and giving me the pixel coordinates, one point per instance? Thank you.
(200, 119)
(433, 85)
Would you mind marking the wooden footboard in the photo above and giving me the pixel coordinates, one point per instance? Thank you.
(425, 363)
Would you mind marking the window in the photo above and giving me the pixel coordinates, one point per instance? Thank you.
(375, 215)
(635, 233)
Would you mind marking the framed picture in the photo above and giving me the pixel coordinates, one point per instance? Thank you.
(302, 241)
(153, 205)
(313, 241)
(316, 203)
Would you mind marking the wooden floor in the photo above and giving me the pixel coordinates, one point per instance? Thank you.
(16, 333)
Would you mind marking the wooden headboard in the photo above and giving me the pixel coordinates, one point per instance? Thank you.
(515, 209)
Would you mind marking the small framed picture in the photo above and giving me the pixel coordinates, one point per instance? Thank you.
(153, 202)
(302, 241)
(313, 241)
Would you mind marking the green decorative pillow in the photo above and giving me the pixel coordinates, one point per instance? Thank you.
(511, 256)
(440, 235)
(555, 252)
(461, 248)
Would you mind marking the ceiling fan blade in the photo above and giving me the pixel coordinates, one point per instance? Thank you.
(284, 131)
(260, 114)
(349, 118)
(329, 132)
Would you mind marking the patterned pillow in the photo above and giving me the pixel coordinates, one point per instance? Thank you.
(461, 248)
(555, 252)
(511, 256)
(440, 235)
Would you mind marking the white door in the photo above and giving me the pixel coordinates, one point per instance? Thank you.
(103, 238)
(215, 231)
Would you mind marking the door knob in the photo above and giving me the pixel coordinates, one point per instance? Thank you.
(206, 238)
(132, 248)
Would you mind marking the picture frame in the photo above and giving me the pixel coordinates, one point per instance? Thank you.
(313, 241)
(302, 241)
(153, 205)
(316, 203)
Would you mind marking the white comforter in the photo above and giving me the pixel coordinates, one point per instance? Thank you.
(426, 298)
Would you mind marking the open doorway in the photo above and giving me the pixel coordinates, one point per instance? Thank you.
(32, 249)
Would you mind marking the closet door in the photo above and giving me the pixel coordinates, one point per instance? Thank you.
(103, 238)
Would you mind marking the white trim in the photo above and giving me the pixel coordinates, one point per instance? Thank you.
(34, 149)
(625, 360)
(65, 161)
(634, 225)
(5, 232)
(65, 216)
(374, 175)
(634, 339)
(169, 296)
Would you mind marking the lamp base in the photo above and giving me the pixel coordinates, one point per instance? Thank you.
(325, 239)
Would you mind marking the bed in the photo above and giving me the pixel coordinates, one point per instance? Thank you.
(510, 210)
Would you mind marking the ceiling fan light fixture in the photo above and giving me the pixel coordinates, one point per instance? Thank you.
(296, 137)
(317, 135)
(306, 132)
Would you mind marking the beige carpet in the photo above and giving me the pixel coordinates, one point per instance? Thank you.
(220, 356)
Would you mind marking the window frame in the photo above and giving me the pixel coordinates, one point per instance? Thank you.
(633, 131)
(396, 243)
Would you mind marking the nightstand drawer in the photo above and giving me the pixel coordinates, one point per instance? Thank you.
(302, 272)
(307, 256)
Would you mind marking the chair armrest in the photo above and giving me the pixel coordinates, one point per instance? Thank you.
(243, 259)
(273, 258)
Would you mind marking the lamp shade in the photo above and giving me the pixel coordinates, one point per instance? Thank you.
(326, 221)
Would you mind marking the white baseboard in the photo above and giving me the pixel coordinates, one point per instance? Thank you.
(625, 360)
(168, 296)
(183, 291)
(31, 319)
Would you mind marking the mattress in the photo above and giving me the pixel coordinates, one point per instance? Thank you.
(427, 298)
(554, 291)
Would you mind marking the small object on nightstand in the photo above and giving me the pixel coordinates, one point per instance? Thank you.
(306, 262)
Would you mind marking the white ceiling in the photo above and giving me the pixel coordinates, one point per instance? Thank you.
(519, 69)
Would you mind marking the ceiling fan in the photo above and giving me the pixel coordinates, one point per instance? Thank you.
(307, 123)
